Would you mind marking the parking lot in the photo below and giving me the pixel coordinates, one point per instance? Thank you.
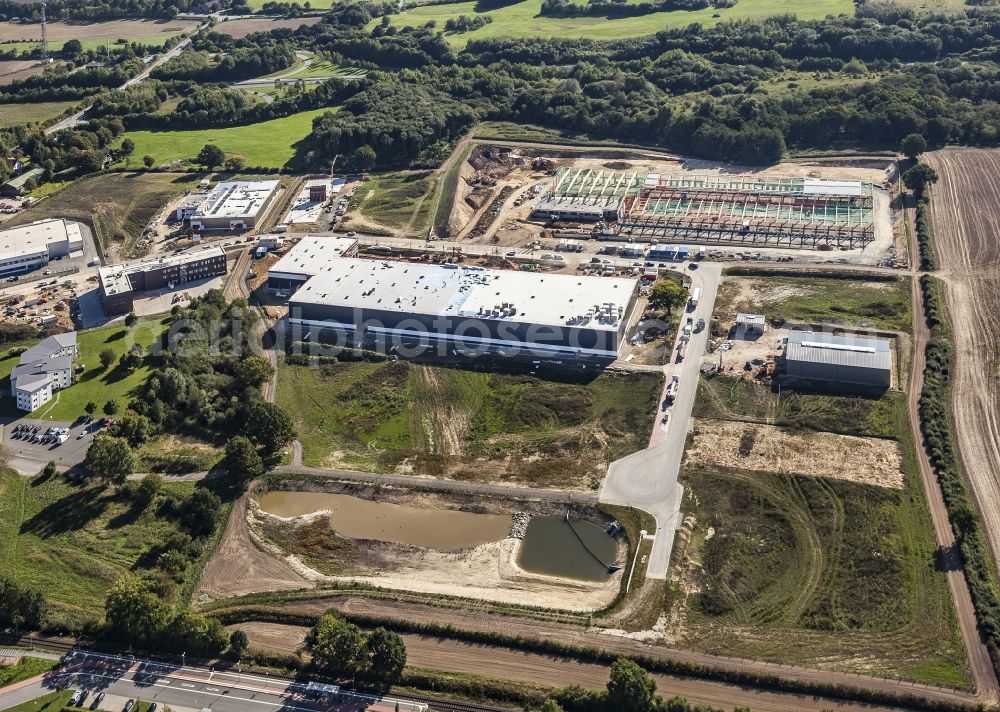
(27, 455)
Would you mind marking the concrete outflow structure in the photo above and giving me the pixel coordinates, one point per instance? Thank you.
(31, 246)
(44, 368)
(234, 205)
(837, 359)
(119, 283)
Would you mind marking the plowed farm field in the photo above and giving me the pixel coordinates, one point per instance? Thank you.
(966, 218)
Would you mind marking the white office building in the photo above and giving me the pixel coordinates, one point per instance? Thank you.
(234, 205)
(31, 246)
(44, 368)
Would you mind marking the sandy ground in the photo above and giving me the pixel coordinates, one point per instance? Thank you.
(456, 656)
(870, 461)
(239, 567)
(246, 562)
(61, 31)
(243, 27)
(965, 216)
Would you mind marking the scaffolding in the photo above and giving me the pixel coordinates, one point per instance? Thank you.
(751, 211)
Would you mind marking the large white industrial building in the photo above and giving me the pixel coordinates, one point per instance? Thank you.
(234, 205)
(307, 258)
(31, 246)
(450, 310)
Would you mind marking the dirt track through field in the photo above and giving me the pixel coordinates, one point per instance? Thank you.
(965, 221)
(435, 653)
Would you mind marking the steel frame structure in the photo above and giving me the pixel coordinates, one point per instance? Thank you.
(776, 219)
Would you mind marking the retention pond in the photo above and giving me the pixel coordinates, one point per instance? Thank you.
(577, 549)
(356, 518)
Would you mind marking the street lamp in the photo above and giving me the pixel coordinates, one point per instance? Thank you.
(182, 658)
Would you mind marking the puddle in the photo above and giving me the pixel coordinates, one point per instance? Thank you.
(356, 518)
(551, 547)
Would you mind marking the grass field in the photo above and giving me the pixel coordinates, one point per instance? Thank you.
(399, 416)
(245, 26)
(884, 305)
(119, 205)
(51, 702)
(402, 201)
(26, 667)
(20, 114)
(93, 34)
(270, 144)
(522, 19)
(95, 383)
(816, 571)
(727, 398)
(72, 541)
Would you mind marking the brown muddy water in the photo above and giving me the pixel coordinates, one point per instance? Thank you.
(581, 551)
(356, 518)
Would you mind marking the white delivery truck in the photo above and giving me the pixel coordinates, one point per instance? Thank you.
(695, 296)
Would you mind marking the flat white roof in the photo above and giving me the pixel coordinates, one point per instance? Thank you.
(437, 290)
(114, 278)
(312, 254)
(237, 199)
(819, 186)
(36, 237)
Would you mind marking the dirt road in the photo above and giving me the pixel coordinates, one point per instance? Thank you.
(238, 567)
(965, 217)
(435, 653)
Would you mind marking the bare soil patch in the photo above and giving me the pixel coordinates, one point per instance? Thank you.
(13, 70)
(767, 448)
(242, 28)
(115, 29)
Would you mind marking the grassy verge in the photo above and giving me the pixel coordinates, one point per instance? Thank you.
(400, 201)
(448, 189)
(878, 304)
(722, 397)
(467, 424)
(268, 144)
(95, 383)
(25, 668)
(51, 702)
(73, 540)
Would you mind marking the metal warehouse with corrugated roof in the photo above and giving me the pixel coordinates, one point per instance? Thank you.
(839, 359)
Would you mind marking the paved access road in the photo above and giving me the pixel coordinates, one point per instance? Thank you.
(647, 479)
(191, 688)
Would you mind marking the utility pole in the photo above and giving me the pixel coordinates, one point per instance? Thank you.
(45, 38)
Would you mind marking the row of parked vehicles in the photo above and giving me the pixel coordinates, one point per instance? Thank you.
(34, 434)
(79, 699)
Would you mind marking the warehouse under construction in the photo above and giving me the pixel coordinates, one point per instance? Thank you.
(731, 209)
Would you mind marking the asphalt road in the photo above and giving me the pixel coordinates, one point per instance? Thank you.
(647, 479)
(189, 688)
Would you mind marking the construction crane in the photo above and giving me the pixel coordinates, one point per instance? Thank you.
(45, 38)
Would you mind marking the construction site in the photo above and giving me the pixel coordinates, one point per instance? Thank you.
(510, 196)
